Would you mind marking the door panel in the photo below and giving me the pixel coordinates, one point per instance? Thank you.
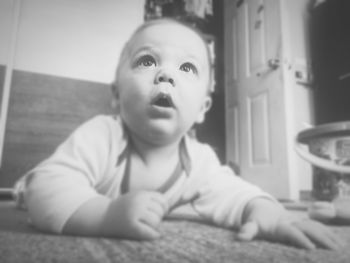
(259, 138)
(241, 36)
(256, 40)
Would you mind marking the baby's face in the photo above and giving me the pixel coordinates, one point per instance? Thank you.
(163, 83)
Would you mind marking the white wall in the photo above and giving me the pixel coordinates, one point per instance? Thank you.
(79, 39)
(299, 93)
(6, 7)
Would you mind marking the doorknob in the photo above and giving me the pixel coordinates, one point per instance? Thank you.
(273, 63)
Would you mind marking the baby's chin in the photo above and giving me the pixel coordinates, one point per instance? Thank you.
(161, 132)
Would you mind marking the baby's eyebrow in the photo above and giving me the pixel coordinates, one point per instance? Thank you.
(145, 49)
(192, 57)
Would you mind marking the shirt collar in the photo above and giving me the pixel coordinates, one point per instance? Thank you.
(185, 157)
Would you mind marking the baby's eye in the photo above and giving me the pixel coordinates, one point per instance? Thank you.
(188, 67)
(146, 61)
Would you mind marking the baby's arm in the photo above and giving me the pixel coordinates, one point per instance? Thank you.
(229, 201)
(61, 193)
(263, 218)
(135, 215)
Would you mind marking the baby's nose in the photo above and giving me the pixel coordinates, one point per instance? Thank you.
(165, 77)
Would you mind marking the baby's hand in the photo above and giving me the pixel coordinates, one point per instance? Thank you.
(266, 219)
(138, 214)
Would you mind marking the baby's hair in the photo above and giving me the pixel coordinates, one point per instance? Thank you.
(158, 21)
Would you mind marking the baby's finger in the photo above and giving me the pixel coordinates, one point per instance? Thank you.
(185, 200)
(248, 231)
(157, 209)
(320, 235)
(336, 239)
(152, 218)
(159, 199)
(290, 234)
(146, 231)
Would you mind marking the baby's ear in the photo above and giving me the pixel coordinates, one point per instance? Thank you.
(205, 107)
(115, 98)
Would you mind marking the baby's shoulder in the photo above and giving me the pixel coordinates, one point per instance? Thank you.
(101, 125)
(200, 150)
(100, 122)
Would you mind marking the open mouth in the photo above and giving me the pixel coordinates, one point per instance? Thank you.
(163, 100)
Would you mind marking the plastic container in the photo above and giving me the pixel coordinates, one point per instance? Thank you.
(329, 153)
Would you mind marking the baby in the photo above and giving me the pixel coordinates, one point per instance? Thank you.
(120, 176)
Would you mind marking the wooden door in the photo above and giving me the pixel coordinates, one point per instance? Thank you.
(256, 123)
